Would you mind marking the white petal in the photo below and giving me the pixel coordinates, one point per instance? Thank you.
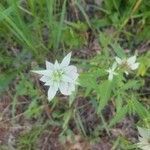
(71, 71)
(108, 70)
(145, 133)
(49, 83)
(65, 62)
(52, 92)
(45, 79)
(114, 66)
(56, 65)
(134, 66)
(126, 72)
(66, 78)
(115, 73)
(49, 65)
(110, 77)
(43, 72)
(118, 60)
(66, 88)
(131, 60)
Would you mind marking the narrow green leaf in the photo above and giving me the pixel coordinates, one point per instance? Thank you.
(104, 92)
(119, 116)
(118, 50)
(140, 109)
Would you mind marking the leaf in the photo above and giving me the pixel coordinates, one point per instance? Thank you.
(66, 118)
(118, 102)
(5, 13)
(62, 18)
(79, 123)
(80, 7)
(142, 69)
(104, 39)
(88, 80)
(119, 116)
(25, 87)
(5, 80)
(33, 110)
(140, 109)
(104, 92)
(132, 84)
(118, 50)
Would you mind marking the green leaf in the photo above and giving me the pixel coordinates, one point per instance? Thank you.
(104, 92)
(66, 118)
(104, 39)
(33, 109)
(132, 84)
(118, 50)
(119, 116)
(5, 80)
(140, 109)
(88, 80)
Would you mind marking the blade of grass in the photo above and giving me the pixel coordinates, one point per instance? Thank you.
(84, 14)
(60, 25)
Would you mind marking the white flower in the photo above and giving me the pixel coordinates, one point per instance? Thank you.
(59, 76)
(111, 71)
(144, 139)
(128, 64)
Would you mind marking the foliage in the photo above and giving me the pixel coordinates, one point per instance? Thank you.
(34, 31)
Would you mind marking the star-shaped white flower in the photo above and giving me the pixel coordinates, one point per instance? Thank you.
(59, 76)
(129, 64)
(144, 138)
(111, 71)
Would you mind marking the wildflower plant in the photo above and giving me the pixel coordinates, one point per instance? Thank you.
(111, 71)
(110, 85)
(59, 76)
(124, 65)
(100, 83)
(127, 64)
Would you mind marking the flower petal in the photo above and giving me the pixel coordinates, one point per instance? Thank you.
(131, 60)
(118, 60)
(65, 62)
(45, 79)
(144, 133)
(70, 69)
(43, 72)
(134, 66)
(52, 92)
(49, 65)
(110, 77)
(70, 79)
(71, 72)
(114, 66)
(49, 83)
(66, 88)
(56, 65)
(66, 78)
(126, 72)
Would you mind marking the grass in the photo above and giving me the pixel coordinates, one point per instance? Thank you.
(34, 31)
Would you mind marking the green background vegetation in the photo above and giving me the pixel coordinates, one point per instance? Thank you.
(33, 31)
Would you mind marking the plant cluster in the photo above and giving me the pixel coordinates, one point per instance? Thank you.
(103, 96)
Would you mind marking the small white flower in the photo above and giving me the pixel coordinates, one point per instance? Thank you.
(128, 64)
(144, 139)
(111, 71)
(59, 76)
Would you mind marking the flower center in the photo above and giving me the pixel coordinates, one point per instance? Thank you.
(57, 75)
(125, 65)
